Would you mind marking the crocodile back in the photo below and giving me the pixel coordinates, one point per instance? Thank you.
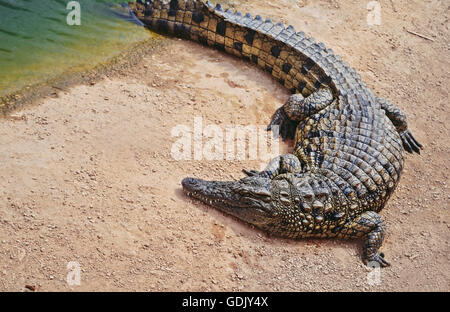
(356, 151)
(351, 146)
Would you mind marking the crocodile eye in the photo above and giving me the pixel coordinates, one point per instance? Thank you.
(244, 191)
(263, 193)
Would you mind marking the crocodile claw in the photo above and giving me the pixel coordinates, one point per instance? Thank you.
(409, 142)
(250, 173)
(282, 125)
(377, 258)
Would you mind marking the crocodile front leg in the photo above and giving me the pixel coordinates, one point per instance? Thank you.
(287, 163)
(297, 109)
(370, 226)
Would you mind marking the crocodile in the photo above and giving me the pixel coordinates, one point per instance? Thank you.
(349, 144)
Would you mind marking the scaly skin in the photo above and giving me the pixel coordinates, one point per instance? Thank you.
(349, 144)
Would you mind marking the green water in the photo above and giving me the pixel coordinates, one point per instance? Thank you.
(36, 42)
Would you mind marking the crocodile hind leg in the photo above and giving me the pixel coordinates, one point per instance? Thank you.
(398, 118)
(279, 165)
(296, 109)
(370, 226)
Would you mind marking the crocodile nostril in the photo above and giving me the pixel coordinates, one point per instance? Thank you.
(190, 183)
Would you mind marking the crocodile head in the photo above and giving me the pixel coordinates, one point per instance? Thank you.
(255, 200)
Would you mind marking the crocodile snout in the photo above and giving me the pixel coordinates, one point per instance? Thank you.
(191, 184)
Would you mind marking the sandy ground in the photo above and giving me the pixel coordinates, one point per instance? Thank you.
(87, 175)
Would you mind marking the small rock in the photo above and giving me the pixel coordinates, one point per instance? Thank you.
(30, 287)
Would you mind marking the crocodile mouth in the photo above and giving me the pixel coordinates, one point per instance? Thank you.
(223, 196)
(215, 202)
(213, 193)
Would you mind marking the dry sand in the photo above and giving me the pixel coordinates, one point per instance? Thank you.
(87, 175)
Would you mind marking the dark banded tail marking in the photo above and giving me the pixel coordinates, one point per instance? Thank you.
(198, 17)
(238, 46)
(249, 37)
(275, 51)
(287, 67)
(221, 28)
(173, 7)
(309, 63)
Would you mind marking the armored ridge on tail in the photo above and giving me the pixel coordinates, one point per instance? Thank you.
(349, 144)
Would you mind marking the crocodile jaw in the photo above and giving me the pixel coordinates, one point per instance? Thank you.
(225, 196)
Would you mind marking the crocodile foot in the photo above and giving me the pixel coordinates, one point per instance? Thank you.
(409, 142)
(281, 124)
(377, 258)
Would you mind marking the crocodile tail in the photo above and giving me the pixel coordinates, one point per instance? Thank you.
(296, 61)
